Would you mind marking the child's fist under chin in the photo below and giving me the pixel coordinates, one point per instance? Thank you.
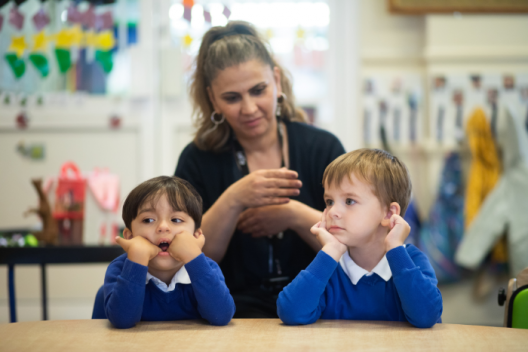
(186, 246)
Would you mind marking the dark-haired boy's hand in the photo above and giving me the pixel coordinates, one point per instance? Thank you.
(139, 249)
(400, 229)
(331, 245)
(186, 246)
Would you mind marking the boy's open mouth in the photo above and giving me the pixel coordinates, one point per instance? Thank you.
(164, 245)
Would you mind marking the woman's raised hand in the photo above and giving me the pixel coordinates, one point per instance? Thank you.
(266, 187)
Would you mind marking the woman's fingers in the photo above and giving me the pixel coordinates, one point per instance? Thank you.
(280, 173)
(282, 183)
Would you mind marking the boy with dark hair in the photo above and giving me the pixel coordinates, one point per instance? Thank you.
(364, 271)
(164, 275)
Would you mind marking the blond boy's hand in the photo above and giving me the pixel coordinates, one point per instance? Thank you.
(186, 246)
(139, 249)
(400, 229)
(331, 245)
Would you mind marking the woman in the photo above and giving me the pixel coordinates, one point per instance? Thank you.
(257, 166)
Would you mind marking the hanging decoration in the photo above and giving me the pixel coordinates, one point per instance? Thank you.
(37, 57)
(14, 56)
(16, 18)
(226, 12)
(41, 19)
(187, 40)
(66, 39)
(187, 9)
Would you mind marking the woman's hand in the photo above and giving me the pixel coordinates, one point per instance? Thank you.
(263, 221)
(331, 245)
(265, 187)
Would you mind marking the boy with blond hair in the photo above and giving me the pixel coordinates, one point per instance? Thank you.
(364, 271)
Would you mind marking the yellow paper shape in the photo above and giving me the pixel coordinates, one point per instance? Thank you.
(90, 39)
(70, 37)
(18, 45)
(187, 40)
(105, 41)
(301, 33)
(40, 41)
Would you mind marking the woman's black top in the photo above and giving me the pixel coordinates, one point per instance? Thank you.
(246, 264)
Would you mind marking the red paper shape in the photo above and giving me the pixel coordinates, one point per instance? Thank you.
(226, 12)
(16, 18)
(41, 19)
(115, 122)
(104, 21)
(207, 16)
(188, 3)
(22, 120)
(187, 13)
(73, 15)
(89, 18)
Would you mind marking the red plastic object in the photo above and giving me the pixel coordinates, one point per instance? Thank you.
(70, 193)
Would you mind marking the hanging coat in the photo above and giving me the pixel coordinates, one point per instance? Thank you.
(484, 171)
(440, 236)
(505, 207)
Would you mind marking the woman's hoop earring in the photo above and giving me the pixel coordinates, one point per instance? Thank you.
(216, 123)
(280, 100)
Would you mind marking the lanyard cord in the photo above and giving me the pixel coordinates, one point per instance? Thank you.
(241, 160)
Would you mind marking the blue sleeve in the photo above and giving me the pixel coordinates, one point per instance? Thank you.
(303, 300)
(124, 292)
(416, 282)
(215, 303)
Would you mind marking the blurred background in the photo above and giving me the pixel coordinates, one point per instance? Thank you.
(103, 84)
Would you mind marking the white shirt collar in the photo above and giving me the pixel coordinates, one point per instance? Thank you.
(355, 272)
(181, 277)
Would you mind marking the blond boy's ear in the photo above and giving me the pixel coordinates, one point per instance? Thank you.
(127, 234)
(394, 208)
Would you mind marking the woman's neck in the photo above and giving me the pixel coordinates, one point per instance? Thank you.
(262, 144)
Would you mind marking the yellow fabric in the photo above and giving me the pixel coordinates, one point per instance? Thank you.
(484, 172)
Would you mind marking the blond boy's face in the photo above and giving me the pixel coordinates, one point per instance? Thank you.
(354, 213)
(159, 225)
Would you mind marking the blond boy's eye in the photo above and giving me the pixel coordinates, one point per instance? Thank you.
(350, 201)
(329, 202)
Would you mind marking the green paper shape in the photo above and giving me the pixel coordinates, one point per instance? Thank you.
(18, 66)
(64, 59)
(105, 59)
(41, 63)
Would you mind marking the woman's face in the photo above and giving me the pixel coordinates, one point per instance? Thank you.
(246, 94)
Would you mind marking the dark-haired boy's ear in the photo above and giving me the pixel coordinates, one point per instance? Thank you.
(394, 208)
(198, 233)
(127, 234)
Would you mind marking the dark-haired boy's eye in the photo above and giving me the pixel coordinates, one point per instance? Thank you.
(147, 220)
(177, 220)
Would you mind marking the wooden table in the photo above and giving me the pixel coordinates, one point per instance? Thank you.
(256, 335)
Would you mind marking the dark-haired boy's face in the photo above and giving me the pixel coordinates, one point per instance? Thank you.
(159, 223)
